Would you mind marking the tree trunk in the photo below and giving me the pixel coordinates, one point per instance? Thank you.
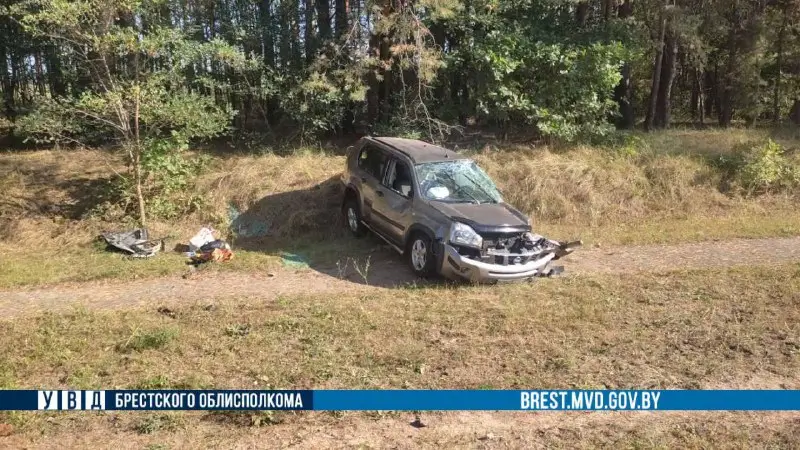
(701, 98)
(651, 111)
(694, 100)
(342, 15)
(711, 91)
(137, 177)
(668, 71)
(39, 67)
(373, 99)
(297, 47)
(608, 9)
(387, 81)
(726, 96)
(324, 19)
(308, 34)
(582, 13)
(54, 71)
(623, 93)
(794, 113)
(5, 83)
(285, 39)
(776, 95)
(267, 32)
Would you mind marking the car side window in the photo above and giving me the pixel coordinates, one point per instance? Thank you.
(398, 178)
(372, 160)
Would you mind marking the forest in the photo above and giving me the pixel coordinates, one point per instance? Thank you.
(93, 71)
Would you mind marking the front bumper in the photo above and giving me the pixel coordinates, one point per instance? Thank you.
(457, 266)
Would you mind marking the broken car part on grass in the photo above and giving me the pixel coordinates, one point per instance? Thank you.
(205, 247)
(135, 242)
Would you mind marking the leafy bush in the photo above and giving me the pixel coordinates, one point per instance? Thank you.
(168, 174)
(622, 143)
(562, 89)
(765, 167)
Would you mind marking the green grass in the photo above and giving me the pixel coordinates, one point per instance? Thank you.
(151, 339)
(36, 268)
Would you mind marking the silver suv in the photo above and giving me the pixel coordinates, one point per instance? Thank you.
(441, 211)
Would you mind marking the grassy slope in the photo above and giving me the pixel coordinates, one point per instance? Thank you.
(734, 328)
(668, 192)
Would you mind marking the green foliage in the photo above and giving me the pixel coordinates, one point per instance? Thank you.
(126, 72)
(149, 340)
(155, 422)
(155, 382)
(559, 83)
(168, 174)
(151, 110)
(399, 128)
(623, 144)
(764, 167)
(315, 103)
(48, 122)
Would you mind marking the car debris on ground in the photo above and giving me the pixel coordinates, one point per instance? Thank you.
(205, 247)
(136, 242)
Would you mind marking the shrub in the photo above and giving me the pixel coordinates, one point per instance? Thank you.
(760, 168)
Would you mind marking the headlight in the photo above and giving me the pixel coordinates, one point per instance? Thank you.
(461, 234)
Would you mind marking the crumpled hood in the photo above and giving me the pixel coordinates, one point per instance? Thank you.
(484, 214)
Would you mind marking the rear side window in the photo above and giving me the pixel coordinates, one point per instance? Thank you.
(372, 160)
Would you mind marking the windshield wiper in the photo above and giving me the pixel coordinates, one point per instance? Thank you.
(491, 199)
(461, 188)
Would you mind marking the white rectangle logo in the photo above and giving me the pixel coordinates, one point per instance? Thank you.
(94, 400)
(48, 400)
(71, 400)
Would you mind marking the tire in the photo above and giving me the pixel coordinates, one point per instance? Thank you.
(420, 257)
(352, 217)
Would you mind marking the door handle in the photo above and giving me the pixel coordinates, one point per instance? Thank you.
(379, 193)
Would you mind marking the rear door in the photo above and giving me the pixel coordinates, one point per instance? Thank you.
(372, 161)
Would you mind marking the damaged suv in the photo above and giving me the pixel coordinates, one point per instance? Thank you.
(440, 210)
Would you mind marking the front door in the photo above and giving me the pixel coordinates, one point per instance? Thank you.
(392, 202)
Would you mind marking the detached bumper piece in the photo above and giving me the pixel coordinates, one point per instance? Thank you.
(506, 259)
(135, 242)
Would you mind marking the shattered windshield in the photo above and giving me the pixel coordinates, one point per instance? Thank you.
(459, 181)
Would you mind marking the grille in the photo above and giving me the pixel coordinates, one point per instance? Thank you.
(490, 240)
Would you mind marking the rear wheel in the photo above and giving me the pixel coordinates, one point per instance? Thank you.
(420, 255)
(352, 216)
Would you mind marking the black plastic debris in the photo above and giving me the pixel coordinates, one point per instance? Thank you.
(136, 242)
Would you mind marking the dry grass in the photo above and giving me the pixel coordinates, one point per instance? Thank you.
(666, 190)
(696, 329)
(733, 328)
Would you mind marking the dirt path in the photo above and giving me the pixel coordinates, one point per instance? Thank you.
(463, 429)
(385, 273)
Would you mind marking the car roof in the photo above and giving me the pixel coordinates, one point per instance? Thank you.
(418, 151)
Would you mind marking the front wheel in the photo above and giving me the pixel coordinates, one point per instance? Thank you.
(352, 215)
(420, 256)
